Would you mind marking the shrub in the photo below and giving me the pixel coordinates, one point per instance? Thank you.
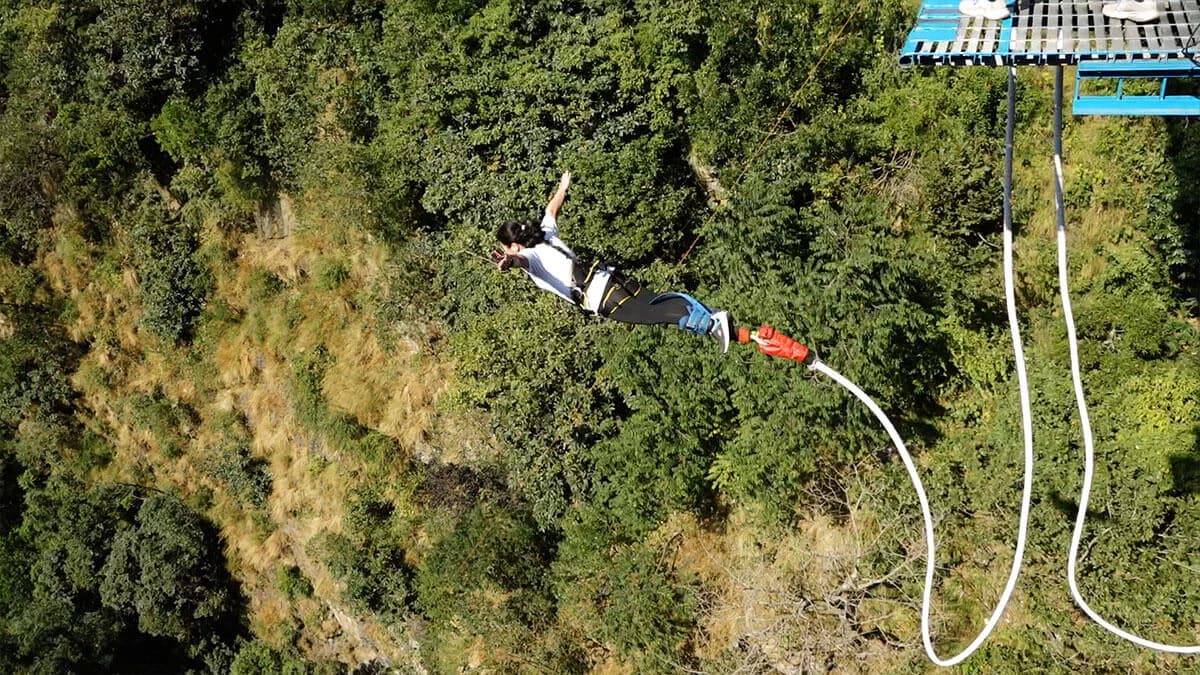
(172, 423)
(173, 286)
(330, 273)
(120, 579)
(169, 572)
(103, 160)
(368, 557)
(264, 285)
(488, 572)
(625, 593)
(245, 476)
(180, 130)
(37, 400)
(259, 658)
(231, 463)
(24, 205)
(292, 582)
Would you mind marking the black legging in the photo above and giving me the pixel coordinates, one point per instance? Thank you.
(628, 301)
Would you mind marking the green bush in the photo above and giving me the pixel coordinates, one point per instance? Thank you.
(173, 286)
(233, 116)
(172, 423)
(307, 68)
(486, 577)
(24, 205)
(233, 465)
(245, 476)
(99, 145)
(264, 285)
(180, 131)
(627, 594)
(369, 555)
(114, 579)
(38, 423)
(330, 273)
(487, 572)
(168, 571)
(292, 582)
(375, 575)
(149, 49)
(259, 658)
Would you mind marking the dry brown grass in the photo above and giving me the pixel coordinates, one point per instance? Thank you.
(395, 393)
(303, 503)
(613, 666)
(770, 599)
(105, 305)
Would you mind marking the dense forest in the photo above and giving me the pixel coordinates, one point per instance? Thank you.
(265, 406)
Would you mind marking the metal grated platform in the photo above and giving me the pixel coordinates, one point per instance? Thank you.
(1062, 32)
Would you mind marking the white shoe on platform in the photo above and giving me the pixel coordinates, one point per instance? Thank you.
(996, 10)
(1132, 10)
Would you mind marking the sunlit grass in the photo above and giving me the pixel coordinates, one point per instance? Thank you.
(250, 354)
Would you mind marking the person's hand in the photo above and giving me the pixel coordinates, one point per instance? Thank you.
(503, 262)
(564, 182)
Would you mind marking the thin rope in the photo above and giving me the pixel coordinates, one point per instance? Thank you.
(774, 128)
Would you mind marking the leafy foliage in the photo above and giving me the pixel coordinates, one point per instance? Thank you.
(172, 423)
(232, 463)
(38, 425)
(627, 595)
(264, 285)
(259, 658)
(173, 285)
(770, 158)
(105, 584)
(489, 570)
(293, 583)
(163, 570)
(369, 559)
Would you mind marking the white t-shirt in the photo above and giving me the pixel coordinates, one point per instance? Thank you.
(549, 267)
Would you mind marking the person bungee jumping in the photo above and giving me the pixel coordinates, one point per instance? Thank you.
(597, 288)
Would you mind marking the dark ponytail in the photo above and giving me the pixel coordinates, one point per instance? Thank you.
(524, 232)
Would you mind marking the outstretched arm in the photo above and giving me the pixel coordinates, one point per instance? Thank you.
(557, 200)
(504, 261)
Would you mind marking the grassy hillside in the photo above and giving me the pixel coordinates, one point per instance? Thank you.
(266, 407)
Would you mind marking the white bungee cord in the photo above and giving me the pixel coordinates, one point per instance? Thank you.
(1026, 419)
(1089, 453)
(1026, 427)
(927, 516)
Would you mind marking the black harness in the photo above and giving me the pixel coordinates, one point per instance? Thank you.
(617, 292)
(579, 277)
